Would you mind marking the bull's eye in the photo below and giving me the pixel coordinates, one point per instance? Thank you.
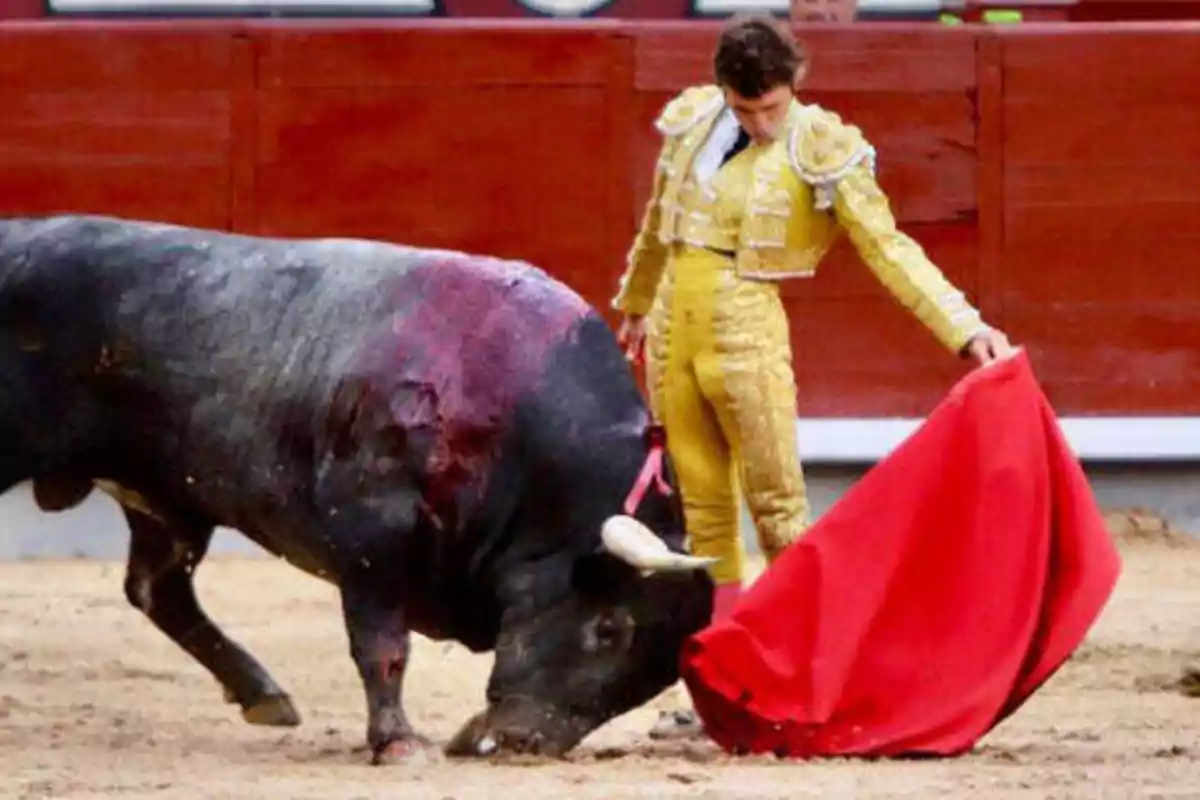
(605, 632)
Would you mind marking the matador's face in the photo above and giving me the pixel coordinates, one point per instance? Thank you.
(762, 117)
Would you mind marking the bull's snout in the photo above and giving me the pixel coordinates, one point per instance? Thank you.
(481, 738)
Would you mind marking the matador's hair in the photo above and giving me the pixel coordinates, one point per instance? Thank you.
(756, 54)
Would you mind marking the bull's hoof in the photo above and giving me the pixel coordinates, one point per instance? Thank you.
(677, 724)
(410, 749)
(276, 711)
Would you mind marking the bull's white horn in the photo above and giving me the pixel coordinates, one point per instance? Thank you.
(636, 545)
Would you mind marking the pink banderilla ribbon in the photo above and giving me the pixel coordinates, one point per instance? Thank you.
(651, 470)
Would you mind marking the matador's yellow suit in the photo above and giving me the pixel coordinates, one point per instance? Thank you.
(714, 244)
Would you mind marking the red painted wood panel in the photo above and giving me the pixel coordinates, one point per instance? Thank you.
(1116, 62)
(1054, 131)
(132, 121)
(866, 357)
(989, 139)
(1114, 271)
(1101, 213)
(622, 205)
(858, 351)
(1112, 179)
(22, 9)
(644, 147)
(76, 56)
(1148, 217)
(411, 168)
(394, 134)
(1106, 12)
(914, 58)
(243, 126)
(1115, 358)
(434, 53)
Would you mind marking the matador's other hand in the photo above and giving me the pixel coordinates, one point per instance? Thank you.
(990, 346)
(632, 336)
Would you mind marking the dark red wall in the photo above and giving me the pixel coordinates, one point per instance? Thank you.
(1101, 200)
(22, 9)
(1050, 170)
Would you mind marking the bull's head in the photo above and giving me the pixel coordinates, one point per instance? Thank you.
(608, 643)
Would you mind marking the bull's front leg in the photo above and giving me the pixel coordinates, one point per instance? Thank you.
(379, 645)
(163, 553)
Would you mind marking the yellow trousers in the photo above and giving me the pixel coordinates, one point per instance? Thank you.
(719, 374)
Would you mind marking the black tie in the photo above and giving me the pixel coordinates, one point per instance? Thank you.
(740, 144)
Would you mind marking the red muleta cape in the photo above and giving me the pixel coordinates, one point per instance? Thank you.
(929, 603)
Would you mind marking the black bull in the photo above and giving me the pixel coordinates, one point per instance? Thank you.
(448, 439)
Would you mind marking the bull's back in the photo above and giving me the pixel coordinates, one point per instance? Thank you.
(246, 361)
(241, 315)
(282, 305)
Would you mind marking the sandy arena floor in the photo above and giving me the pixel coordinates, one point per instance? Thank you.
(95, 702)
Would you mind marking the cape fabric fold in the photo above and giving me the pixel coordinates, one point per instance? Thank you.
(929, 603)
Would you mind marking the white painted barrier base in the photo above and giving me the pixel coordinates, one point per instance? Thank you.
(1152, 462)
(1120, 439)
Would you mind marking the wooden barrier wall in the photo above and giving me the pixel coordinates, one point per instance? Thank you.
(1098, 269)
(971, 10)
(1051, 171)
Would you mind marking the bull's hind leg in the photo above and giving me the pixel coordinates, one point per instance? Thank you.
(158, 580)
(379, 645)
